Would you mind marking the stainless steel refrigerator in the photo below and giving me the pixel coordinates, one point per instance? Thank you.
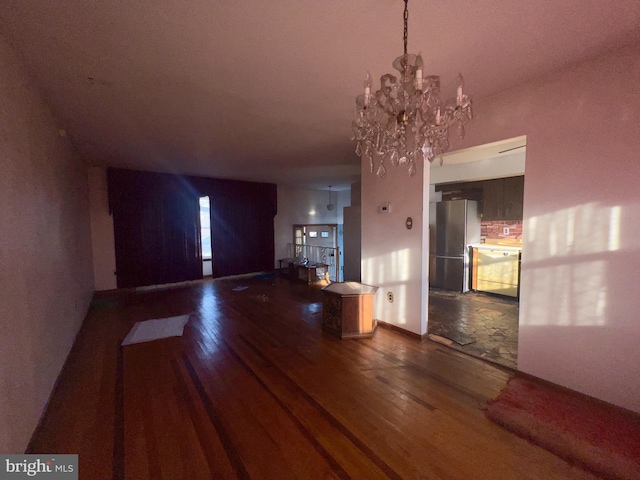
(457, 225)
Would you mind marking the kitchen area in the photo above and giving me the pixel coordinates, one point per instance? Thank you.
(475, 250)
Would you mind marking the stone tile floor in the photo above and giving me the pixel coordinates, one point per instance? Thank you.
(479, 324)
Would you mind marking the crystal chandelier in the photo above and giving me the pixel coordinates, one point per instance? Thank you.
(406, 120)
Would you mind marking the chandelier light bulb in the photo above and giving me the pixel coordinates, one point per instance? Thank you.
(459, 96)
(406, 119)
(419, 66)
(368, 83)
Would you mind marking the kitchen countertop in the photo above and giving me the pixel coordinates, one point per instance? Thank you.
(495, 246)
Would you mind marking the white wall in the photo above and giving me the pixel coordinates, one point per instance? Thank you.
(45, 252)
(482, 169)
(352, 243)
(356, 194)
(578, 314)
(304, 206)
(393, 257)
(102, 239)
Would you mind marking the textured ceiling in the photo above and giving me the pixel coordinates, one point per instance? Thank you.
(264, 90)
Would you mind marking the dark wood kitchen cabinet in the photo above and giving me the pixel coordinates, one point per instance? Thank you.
(502, 199)
(513, 196)
(492, 196)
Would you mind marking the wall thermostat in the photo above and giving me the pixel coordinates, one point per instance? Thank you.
(384, 208)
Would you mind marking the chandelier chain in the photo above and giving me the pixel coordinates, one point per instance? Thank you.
(406, 23)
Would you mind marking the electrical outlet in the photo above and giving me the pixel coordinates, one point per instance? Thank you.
(390, 297)
(505, 231)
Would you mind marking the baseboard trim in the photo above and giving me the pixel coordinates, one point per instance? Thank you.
(578, 395)
(402, 331)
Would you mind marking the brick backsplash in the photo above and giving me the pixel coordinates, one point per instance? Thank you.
(495, 230)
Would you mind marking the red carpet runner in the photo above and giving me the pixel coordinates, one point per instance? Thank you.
(597, 436)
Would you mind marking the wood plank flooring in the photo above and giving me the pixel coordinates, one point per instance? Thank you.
(256, 389)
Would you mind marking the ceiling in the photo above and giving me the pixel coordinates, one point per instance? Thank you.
(264, 90)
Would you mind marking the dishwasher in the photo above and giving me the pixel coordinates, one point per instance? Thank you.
(498, 270)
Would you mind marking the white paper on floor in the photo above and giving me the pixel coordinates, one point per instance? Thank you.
(155, 329)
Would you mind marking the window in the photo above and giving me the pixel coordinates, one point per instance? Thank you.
(205, 228)
(324, 234)
(313, 234)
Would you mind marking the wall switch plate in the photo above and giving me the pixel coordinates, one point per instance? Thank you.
(384, 208)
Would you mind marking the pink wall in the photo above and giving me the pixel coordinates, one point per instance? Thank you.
(102, 236)
(581, 253)
(393, 256)
(45, 252)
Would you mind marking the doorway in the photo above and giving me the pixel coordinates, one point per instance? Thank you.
(471, 319)
(318, 243)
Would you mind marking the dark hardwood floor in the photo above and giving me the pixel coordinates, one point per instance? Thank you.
(256, 389)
